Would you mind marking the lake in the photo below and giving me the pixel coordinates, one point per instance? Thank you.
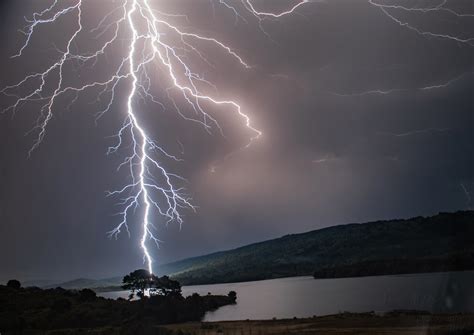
(306, 296)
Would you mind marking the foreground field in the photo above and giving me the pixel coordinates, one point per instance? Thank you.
(341, 324)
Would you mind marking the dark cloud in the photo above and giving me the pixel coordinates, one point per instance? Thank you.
(324, 158)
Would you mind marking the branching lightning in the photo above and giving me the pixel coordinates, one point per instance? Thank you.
(389, 10)
(155, 45)
(439, 8)
(416, 132)
(466, 193)
(397, 90)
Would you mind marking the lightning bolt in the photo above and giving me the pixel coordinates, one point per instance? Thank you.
(154, 44)
(416, 132)
(397, 90)
(440, 8)
(466, 192)
(248, 4)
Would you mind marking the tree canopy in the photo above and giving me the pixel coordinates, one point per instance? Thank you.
(143, 283)
(13, 283)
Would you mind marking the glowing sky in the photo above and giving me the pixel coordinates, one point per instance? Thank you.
(355, 128)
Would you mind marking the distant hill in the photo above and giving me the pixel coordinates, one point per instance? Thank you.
(444, 242)
(87, 283)
(39, 283)
(79, 283)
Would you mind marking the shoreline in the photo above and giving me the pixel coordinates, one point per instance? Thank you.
(119, 288)
(390, 323)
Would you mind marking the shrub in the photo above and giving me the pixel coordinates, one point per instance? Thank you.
(87, 295)
(61, 305)
(13, 283)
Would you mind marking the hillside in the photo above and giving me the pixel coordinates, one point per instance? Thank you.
(86, 283)
(444, 242)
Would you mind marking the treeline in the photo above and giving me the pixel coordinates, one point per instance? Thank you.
(398, 266)
(36, 311)
(444, 242)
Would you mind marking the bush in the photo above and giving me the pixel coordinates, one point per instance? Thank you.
(232, 295)
(13, 283)
(61, 305)
(87, 295)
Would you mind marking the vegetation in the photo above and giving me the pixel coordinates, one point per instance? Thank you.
(142, 283)
(36, 311)
(444, 242)
(393, 323)
(15, 284)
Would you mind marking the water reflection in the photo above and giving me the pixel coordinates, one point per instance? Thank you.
(305, 296)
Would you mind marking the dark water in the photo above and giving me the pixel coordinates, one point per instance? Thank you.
(305, 296)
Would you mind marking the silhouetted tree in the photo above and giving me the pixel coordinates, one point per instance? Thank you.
(87, 295)
(139, 282)
(232, 295)
(13, 283)
(168, 287)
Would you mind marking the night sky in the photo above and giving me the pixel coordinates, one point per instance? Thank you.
(329, 153)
